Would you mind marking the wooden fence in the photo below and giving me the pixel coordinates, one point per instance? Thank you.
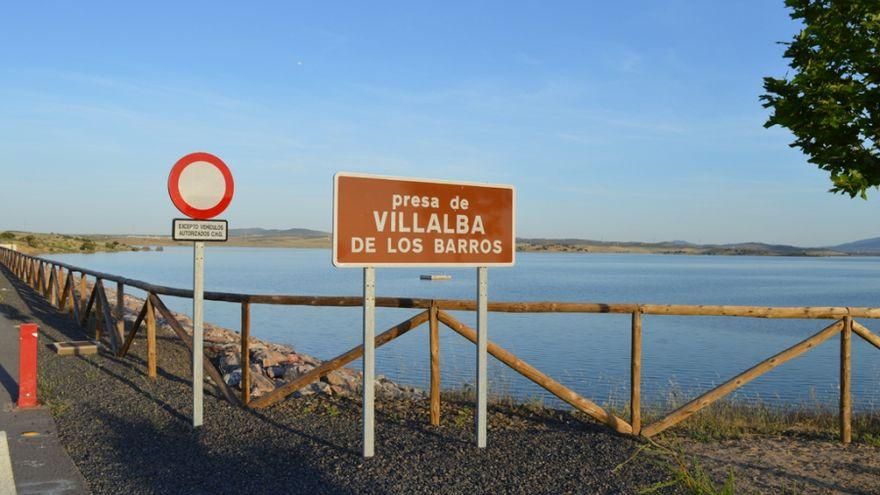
(69, 292)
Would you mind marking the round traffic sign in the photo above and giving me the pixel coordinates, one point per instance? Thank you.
(200, 185)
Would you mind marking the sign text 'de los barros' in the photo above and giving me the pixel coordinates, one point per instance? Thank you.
(386, 221)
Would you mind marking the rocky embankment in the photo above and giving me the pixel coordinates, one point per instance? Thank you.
(271, 364)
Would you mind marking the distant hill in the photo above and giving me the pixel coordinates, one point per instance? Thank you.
(775, 249)
(308, 238)
(258, 232)
(673, 247)
(864, 246)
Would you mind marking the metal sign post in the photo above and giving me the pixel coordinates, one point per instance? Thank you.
(201, 187)
(369, 414)
(383, 221)
(198, 332)
(482, 346)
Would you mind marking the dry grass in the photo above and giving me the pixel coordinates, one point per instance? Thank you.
(730, 419)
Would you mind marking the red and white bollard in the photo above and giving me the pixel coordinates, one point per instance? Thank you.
(27, 365)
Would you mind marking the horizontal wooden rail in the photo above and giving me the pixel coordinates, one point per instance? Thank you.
(807, 312)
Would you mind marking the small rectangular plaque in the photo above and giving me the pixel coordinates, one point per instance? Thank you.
(184, 229)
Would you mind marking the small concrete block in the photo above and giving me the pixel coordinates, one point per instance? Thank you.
(77, 348)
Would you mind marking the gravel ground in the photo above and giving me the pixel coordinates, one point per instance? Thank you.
(129, 434)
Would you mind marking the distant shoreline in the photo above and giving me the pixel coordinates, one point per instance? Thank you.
(527, 246)
(41, 243)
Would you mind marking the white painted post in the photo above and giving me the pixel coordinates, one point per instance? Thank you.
(198, 322)
(369, 359)
(482, 359)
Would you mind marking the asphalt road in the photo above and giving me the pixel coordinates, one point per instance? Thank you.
(39, 462)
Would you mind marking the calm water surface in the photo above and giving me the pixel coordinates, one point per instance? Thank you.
(589, 353)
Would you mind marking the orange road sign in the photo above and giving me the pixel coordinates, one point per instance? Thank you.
(389, 221)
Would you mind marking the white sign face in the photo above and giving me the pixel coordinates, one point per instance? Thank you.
(199, 230)
(200, 185)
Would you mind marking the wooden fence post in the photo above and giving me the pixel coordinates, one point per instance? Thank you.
(56, 286)
(435, 365)
(635, 401)
(845, 381)
(83, 287)
(65, 293)
(41, 277)
(98, 311)
(59, 274)
(245, 353)
(151, 338)
(47, 279)
(50, 285)
(120, 311)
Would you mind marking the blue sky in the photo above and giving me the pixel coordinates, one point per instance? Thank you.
(631, 120)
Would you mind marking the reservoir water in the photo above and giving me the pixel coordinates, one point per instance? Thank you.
(589, 353)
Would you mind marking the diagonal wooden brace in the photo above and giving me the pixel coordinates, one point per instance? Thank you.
(685, 411)
(866, 334)
(584, 405)
(339, 361)
(215, 375)
(134, 329)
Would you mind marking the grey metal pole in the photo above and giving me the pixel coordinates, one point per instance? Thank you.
(198, 337)
(369, 360)
(482, 345)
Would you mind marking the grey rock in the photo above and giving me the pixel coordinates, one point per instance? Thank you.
(267, 357)
(295, 371)
(233, 378)
(229, 362)
(321, 387)
(260, 385)
(305, 358)
(342, 383)
(276, 371)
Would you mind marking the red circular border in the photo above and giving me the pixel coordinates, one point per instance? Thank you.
(174, 186)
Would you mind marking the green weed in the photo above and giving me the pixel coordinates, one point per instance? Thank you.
(687, 474)
(462, 418)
